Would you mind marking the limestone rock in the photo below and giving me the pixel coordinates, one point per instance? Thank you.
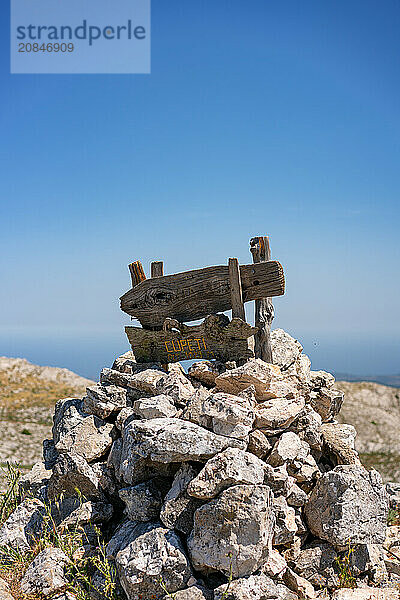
(75, 513)
(142, 381)
(255, 372)
(195, 592)
(308, 427)
(230, 467)
(348, 503)
(104, 400)
(285, 522)
(126, 363)
(239, 522)
(72, 472)
(22, 525)
(35, 480)
(230, 415)
(46, 573)
(85, 435)
(178, 509)
(194, 409)
(317, 564)
(321, 379)
(290, 449)
(259, 444)
(296, 496)
(393, 492)
(154, 407)
(50, 454)
(327, 402)
(275, 564)
(206, 371)
(285, 349)
(299, 585)
(277, 414)
(339, 443)
(124, 416)
(146, 552)
(142, 501)
(177, 386)
(254, 587)
(5, 593)
(168, 440)
(278, 479)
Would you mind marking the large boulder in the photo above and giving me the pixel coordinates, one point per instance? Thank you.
(45, 575)
(145, 554)
(348, 504)
(230, 467)
(104, 400)
(168, 440)
(233, 533)
(71, 473)
(85, 435)
(19, 530)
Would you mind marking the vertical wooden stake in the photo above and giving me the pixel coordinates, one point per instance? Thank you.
(236, 289)
(264, 310)
(157, 268)
(137, 272)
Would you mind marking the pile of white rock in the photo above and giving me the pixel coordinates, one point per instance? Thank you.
(227, 482)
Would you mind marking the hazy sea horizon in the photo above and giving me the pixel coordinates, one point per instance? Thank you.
(86, 353)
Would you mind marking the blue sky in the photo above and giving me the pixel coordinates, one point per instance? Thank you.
(259, 117)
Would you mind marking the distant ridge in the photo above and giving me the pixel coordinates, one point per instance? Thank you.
(390, 380)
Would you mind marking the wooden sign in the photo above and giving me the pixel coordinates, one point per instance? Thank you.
(194, 294)
(216, 338)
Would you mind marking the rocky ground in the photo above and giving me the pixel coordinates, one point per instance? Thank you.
(28, 394)
(223, 483)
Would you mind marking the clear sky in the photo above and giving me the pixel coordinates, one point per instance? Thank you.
(259, 117)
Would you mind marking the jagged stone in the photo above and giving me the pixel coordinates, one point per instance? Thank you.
(321, 379)
(72, 472)
(168, 440)
(195, 592)
(268, 380)
(154, 407)
(339, 443)
(296, 496)
(285, 522)
(299, 585)
(308, 427)
(285, 349)
(77, 513)
(230, 415)
(238, 523)
(146, 552)
(292, 550)
(85, 435)
(278, 479)
(142, 381)
(256, 587)
(393, 492)
(317, 564)
(290, 449)
(126, 363)
(178, 509)
(206, 371)
(35, 481)
(104, 400)
(46, 574)
(142, 501)
(23, 524)
(327, 402)
(259, 444)
(194, 409)
(230, 467)
(5, 593)
(177, 386)
(123, 416)
(278, 413)
(348, 504)
(368, 559)
(275, 564)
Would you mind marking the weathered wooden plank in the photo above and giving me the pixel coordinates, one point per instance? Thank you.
(215, 338)
(137, 272)
(157, 268)
(264, 309)
(235, 285)
(194, 294)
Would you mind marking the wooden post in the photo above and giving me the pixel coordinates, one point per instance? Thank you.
(157, 268)
(264, 310)
(137, 272)
(235, 284)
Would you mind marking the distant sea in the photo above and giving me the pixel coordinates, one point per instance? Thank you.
(86, 353)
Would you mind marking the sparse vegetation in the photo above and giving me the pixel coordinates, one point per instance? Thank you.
(343, 563)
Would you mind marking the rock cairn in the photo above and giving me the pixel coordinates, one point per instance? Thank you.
(228, 482)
